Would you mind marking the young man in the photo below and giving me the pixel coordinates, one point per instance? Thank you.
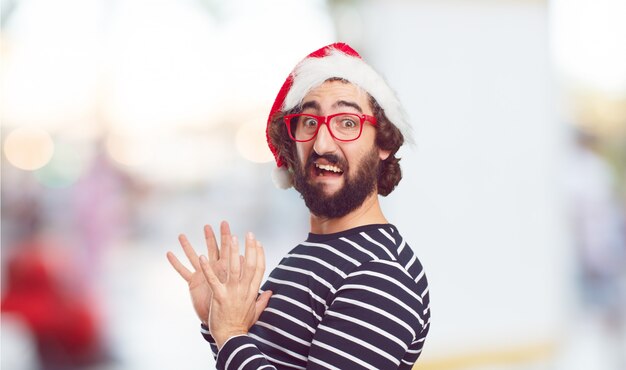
(353, 294)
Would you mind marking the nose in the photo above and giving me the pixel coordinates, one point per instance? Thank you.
(324, 141)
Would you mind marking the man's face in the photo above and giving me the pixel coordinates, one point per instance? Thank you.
(335, 177)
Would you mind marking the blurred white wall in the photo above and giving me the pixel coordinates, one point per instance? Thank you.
(480, 198)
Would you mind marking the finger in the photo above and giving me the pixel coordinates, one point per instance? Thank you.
(242, 261)
(211, 278)
(221, 265)
(225, 238)
(260, 304)
(178, 266)
(233, 262)
(211, 243)
(250, 260)
(260, 270)
(260, 266)
(189, 251)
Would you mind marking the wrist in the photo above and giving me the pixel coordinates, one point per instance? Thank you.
(222, 338)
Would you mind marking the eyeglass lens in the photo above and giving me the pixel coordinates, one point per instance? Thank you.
(344, 127)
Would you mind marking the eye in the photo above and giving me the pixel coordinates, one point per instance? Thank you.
(309, 122)
(349, 122)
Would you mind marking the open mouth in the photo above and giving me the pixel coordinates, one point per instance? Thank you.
(325, 169)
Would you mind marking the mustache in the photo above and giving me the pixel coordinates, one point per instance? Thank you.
(331, 158)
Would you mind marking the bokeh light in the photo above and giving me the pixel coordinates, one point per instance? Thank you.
(28, 148)
(251, 143)
(129, 150)
(66, 165)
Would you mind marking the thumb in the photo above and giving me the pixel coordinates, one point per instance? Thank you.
(261, 302)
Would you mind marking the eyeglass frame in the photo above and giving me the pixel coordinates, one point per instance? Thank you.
(325, 121)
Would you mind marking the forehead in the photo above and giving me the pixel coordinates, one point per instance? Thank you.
(332, 91)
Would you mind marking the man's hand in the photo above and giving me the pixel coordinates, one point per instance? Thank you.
(199, 289)
(236, 307)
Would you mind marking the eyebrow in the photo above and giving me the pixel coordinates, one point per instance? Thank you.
(311, 104)
(340, 103)
(343, 103)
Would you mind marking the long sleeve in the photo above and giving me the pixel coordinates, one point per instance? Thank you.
(241, 352)
(375, 321)
(204, 330)
(352, 300)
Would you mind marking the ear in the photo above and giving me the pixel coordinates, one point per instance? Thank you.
(383, 154)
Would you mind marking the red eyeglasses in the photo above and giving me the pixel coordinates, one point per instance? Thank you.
(342, 126)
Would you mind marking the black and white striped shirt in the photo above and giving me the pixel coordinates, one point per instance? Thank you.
(357, 299)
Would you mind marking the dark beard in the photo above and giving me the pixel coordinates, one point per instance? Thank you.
(351, 195)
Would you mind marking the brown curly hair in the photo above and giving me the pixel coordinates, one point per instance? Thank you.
(388, 137)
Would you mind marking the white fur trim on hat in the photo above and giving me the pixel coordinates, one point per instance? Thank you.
(312, 72)
(283, 179)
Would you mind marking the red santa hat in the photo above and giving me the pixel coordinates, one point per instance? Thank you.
(336, 60)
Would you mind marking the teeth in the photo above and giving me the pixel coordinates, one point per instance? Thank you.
(328, 167)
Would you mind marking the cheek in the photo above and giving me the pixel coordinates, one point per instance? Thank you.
(360, 148)
(369, 134)
(356, 154)
(303, 151)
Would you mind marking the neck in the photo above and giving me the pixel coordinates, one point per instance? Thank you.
(369, 212)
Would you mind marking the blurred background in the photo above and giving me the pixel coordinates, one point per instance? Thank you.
(125, 123)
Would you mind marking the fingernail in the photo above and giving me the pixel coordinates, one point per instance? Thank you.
(250, 235)
(203, 259)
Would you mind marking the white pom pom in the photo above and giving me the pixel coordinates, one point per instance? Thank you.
(283, 179)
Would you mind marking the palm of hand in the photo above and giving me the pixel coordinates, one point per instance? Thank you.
(236, 304)
(199, 289)
(201, 293)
